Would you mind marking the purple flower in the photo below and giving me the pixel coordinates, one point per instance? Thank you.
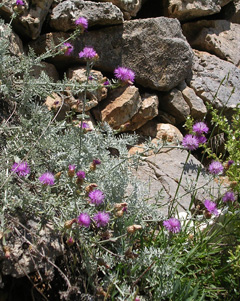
(96, 162)
(88, 53)
(229, 163)
(215, 167)
(47, 178)
(101, 219)
(84, 125)
(106, 83)
(71, 167)
(21, 169)
(124, 74)
(84, 220)
(81, 174)
(83, 22)
(190, 142)
(96, 197)
(211, 207)
(201, 139)
(19, 2)
(172, 225)
(228, 196)
(68, 48)
(200, 127)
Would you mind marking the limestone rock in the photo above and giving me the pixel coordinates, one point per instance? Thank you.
(30, 18)
(232, 12)
(197, 107)
(174, 103)
(155, 49)
(66, 12)
(208, 73)
(15, 43)
(119, 107)
(219, 37)
(56, 103)
(162, 131)
(147, 111)
(186, 10)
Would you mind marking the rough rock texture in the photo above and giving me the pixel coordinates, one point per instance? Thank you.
(162, 172)
(186, 10)
(162, 131)
(47, 68)
(66, 12)
(30, 18)
(119, 107)
(155, 49)
(232, 12)
(174, 103)
(208, 72)
(147, 111)
(28, 248)
(219, 37)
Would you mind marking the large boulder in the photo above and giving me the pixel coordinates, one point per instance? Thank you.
(186, 10)
(155, 49)
(219, 37)
(65, 13)
(214, 80)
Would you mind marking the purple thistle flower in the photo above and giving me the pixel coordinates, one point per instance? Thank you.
(106, 83)
(47, 178)
(200, 127)
(68, 48)
(21, 169)
(124, 74)
(228, 196)
(96, 197)
(101, 219)
(83, 22)
(172, 225)
(81, 174)
(211, 207)
(229, 163)
(215, 167)
(71, 167)
(190, 142)
(84, 220)
(88, 53)
(201, 139)
(84, 125)
(96, 162)
(19, 2)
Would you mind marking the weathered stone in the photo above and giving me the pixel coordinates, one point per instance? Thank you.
(161, 174)
(232, 12)
(58, 105)
(129, 7)
(119, 107)
(162, 131)
(30, 17)
(47, 68)
(65, 13)
(155, 49)
(174, 103)
(219, 37)
(147, 111)
(197, 107)
(164, 117)
(186, 10)
(208, 73)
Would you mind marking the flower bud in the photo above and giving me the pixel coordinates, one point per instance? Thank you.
(119, 206)
(132, 229)
(68, 224)
(90, 187)
(119, 213)
(58, 175)
(70, 241)
(7, 251)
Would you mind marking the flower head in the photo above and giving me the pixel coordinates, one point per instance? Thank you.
(71, 170)
(106, 83)
(47, 178)
(190, 142)
(67, 48)
(84, 125)
(96, 197)
(229, 163)
(124, 74)
(228, 196)
(82, 22)
(172, 225)
(21, 169)
(200, 128)
(84, 220)
(19, 2)
(96, 162)
(88, 53)
(81, 174)
(201, 139)
(101, 219)
(215, 167)
(211, 207)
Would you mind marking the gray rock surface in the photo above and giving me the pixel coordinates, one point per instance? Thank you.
(155, 49)
(208, 73)
(186, 10)
(219, 37)
(65, 13)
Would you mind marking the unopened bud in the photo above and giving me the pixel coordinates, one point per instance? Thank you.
(132, 229)
(90, 187)
(119, 213)
(58, 175)
(70, 241)
(119, 206)
(7, 251)
(68, 224)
